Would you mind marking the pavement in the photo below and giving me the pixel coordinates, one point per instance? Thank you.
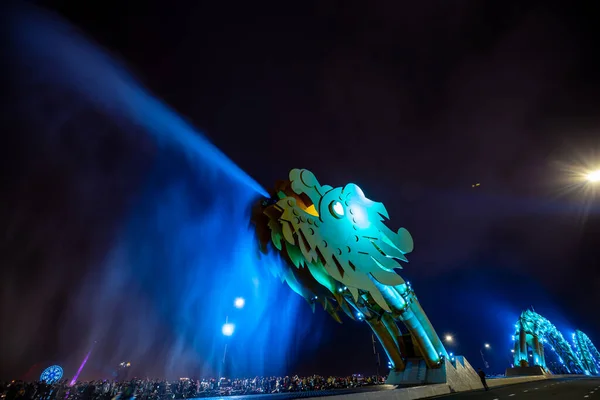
(554, 389)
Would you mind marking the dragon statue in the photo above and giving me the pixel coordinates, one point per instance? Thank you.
(340, 254)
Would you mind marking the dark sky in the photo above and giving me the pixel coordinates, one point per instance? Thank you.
(413, 101)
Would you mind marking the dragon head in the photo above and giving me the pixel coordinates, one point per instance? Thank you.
(334, 240)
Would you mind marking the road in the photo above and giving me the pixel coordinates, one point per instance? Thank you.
(554, 389)
(334, 393)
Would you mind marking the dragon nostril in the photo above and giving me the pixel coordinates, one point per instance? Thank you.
(268, 201)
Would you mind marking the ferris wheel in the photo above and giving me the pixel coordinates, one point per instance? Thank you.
(52, 374)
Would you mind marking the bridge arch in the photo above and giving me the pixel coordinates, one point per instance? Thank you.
(587, 352)
(534, 332)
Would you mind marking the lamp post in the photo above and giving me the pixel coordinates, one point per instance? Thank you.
(486, 346)
(239, 303)
(228, 328)
(227, 331)
(449, 341)
(512, 357)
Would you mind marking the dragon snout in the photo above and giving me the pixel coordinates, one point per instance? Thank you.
(268, 201)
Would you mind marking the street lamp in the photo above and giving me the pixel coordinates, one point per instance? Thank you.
(450, 343)
(239, 302)
(228, 329)
(487, 346)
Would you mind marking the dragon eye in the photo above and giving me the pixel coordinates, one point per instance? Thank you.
(337, 209)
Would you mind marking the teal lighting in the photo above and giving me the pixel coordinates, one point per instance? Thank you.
(336, 245)
(360, 217)
(534, 331)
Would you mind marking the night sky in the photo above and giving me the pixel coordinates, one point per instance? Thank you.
(415, 103)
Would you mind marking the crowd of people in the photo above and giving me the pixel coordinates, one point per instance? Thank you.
(184, 388)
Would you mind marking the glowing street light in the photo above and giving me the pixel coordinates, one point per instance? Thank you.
(239, 302)
(228, 329)
(487, 346)
(448, 338)
(594, 176)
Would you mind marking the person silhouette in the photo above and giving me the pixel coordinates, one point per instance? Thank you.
(482, 377)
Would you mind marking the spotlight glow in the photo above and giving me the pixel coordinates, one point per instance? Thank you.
(487, 345)
(593, 176)
(577, 180)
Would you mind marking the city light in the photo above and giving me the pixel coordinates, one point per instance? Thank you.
(487, 345)
(239, 302)
(449, 338)
(228, 329)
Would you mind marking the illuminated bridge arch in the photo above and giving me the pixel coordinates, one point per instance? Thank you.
(532, 331)
(587, 352)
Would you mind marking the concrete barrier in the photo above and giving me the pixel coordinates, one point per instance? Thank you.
(412, 393)
(534, 370)
(516, 379)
